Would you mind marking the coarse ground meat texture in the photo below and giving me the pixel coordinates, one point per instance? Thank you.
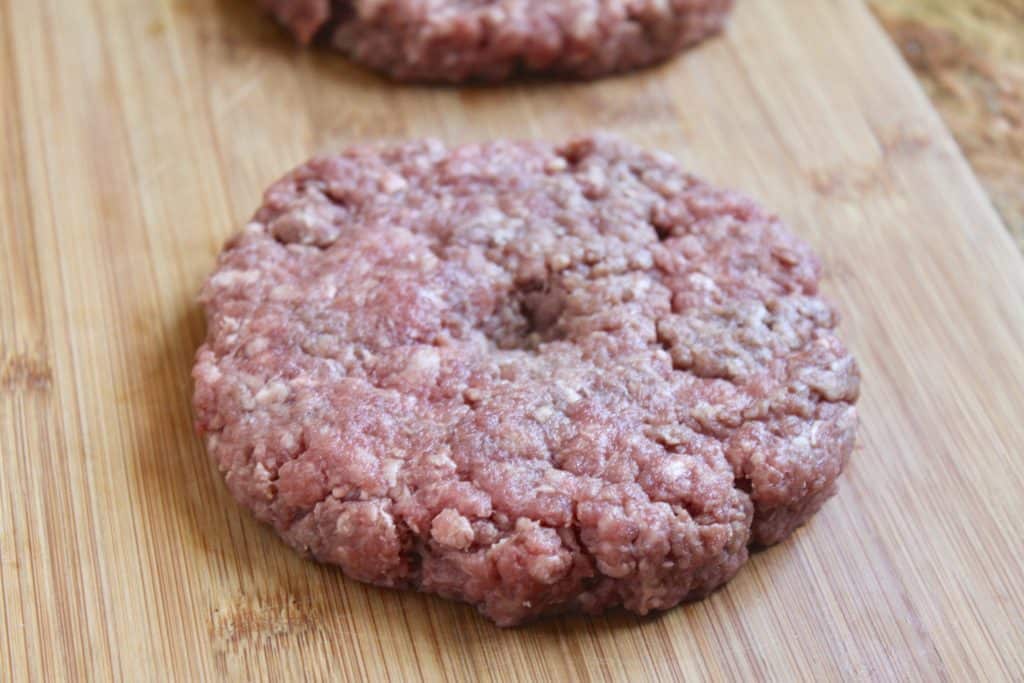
(489, 40)
(536, 379)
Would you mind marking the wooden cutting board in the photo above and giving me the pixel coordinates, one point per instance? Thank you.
(137, 136)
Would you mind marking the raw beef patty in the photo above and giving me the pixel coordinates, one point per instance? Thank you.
(536, 379)
(459, 40)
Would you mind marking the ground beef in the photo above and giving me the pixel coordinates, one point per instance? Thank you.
(536, 379)
(460, 40)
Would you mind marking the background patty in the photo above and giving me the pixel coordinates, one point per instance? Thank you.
(534, 379)
(458, 40)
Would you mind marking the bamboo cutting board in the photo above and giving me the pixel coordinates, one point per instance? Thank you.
(137, 136)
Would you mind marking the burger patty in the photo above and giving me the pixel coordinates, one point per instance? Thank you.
(533, 378)
(491, 40)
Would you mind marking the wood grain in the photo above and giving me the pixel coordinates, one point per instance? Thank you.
(136, 137)
(969, 55)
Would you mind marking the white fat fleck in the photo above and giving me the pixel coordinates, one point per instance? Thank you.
(543, 413)
(495, 226)
(321, 344)
(736, 367)
(283, 293)
(288, 442)
(525, 524)
(615, 571)
(556, 165)
(346, 525)
(702, 282)
(390, 468)
(643, 259)
(392, 183)
(495, 15)
(641, 286)
(675, 468)
(309, 218)
(501, 236)
(569, 393)
(440, 460)
(559, 261)
(233, 278)
(425, 362)
(451, 529)
(670, 185)
(245, 398)
(557, 478)
(432, 296)
(253, 382)
(210, 373)
(816, 431)
(583, 24)
(273, 392)
(597, 176)
(667, 436)
(705, 412)
(256, 346)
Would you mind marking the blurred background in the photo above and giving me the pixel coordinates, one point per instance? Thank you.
(969, 54)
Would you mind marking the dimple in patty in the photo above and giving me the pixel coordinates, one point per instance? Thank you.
(532, 378)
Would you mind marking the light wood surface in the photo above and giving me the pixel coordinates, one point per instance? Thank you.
(969, 54)
(136, 136)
